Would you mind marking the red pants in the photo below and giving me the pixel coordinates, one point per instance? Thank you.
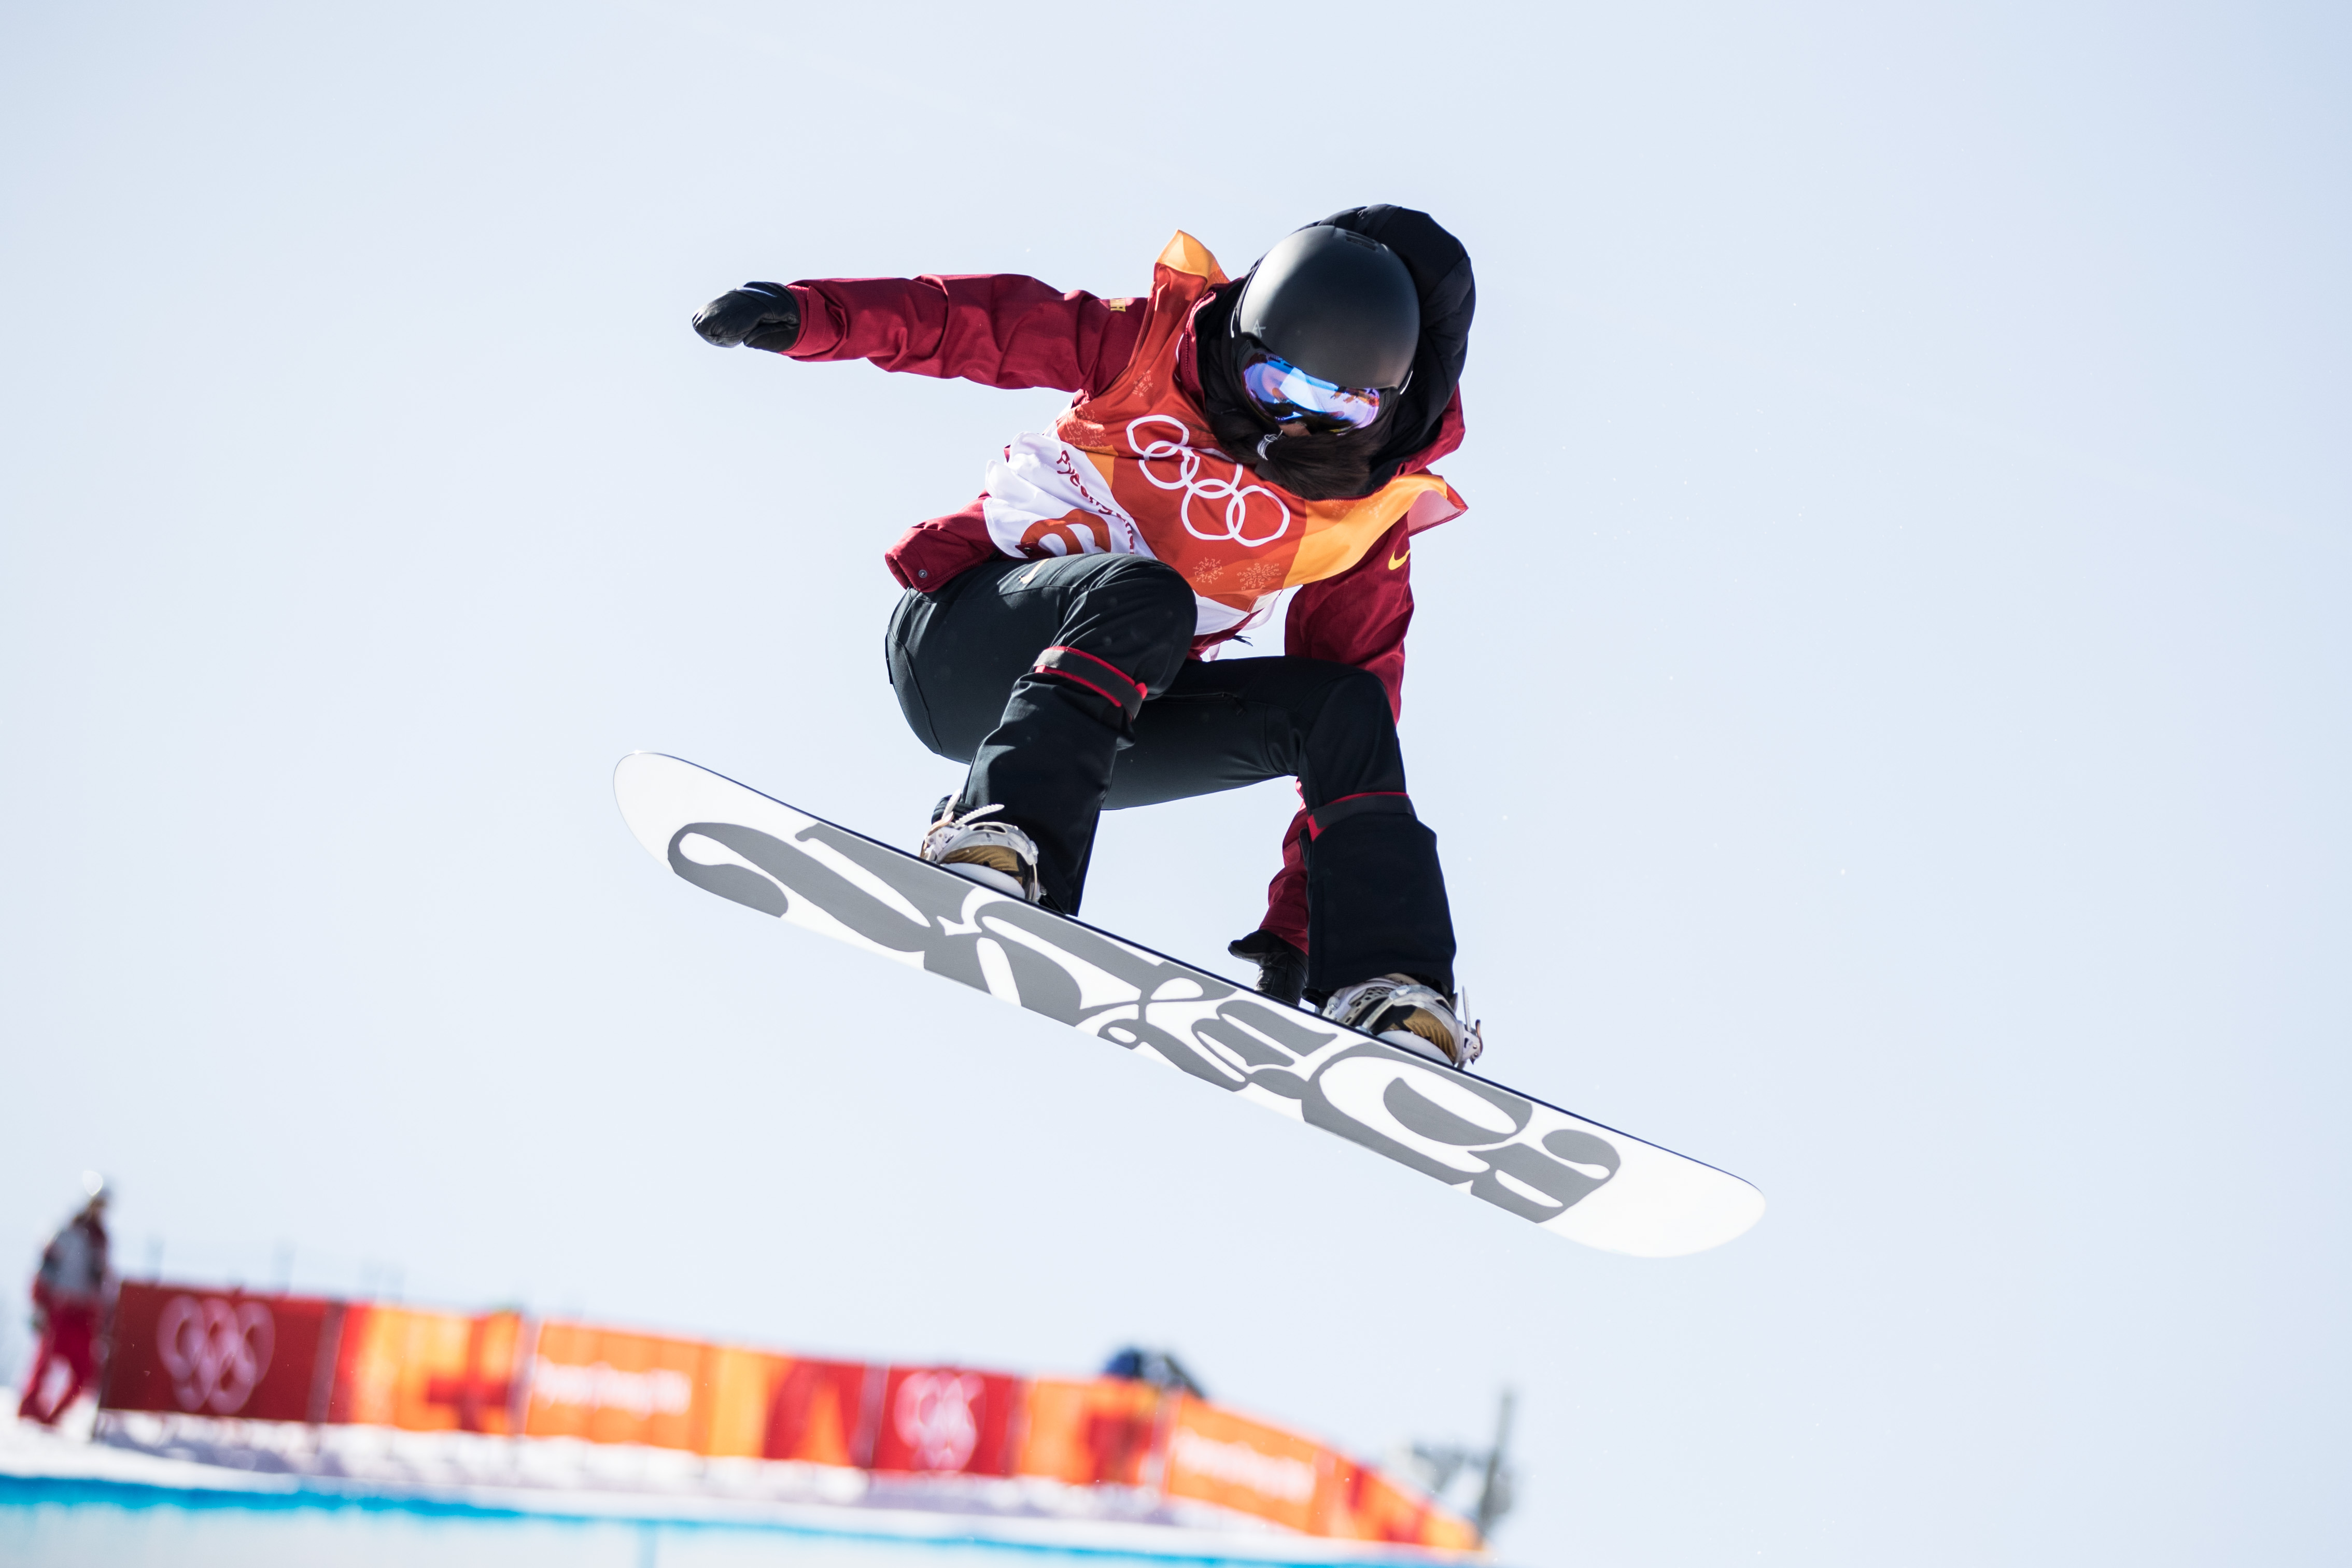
(71, 1337)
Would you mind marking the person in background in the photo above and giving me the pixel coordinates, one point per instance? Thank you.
(69, 1296)
(1159, 1368)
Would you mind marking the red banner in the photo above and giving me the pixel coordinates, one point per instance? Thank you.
(222, 1353)
(943, 1420)
(819, 1414)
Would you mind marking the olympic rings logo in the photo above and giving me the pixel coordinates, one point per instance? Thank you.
(215, 1352)
(935, 1419)
(1232, 492)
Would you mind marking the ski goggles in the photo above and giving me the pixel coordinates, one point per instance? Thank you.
(1287, 395)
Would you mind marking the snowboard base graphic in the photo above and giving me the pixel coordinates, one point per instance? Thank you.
(1572, 1177)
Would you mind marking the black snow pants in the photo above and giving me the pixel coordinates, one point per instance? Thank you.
(1065, 683)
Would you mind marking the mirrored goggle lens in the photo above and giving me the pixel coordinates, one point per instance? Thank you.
(1287, 392)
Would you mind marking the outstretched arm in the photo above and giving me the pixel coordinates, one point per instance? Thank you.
(999, 329)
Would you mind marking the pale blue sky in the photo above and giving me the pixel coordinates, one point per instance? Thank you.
(1885, 713)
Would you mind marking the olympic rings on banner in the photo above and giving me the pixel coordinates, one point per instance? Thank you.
(936, 1420)
(216, 1352)
(1232, 492)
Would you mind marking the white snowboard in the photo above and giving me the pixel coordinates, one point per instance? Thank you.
(1572, 1177)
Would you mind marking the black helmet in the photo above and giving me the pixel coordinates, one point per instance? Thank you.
(1337, 305)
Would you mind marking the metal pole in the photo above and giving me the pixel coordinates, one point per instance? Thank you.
(1487, 1512)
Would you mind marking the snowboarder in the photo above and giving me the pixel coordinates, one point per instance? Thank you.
(68, 1302)
(1228, 439)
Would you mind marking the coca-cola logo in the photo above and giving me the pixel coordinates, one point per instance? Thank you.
(935, 1419)
(215, 1350)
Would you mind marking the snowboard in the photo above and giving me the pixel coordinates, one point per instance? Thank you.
(1565, 1175)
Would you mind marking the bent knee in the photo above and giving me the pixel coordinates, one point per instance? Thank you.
(1150, 597)
(1142, 584)
(1356, 698)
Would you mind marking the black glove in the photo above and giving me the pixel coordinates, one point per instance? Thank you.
(1281, 967)
(757, 315)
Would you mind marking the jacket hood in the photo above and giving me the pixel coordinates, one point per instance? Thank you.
(1329, 466)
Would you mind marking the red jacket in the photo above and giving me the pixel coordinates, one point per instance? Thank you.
(1007, 330)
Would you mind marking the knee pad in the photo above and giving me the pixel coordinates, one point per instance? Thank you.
(1089, 672)
(1372, 803)
(1129, 631)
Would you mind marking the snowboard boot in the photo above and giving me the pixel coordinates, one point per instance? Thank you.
(1404, 1012)
(993, 854)
(1281, 967)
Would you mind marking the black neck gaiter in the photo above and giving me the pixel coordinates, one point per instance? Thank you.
(1312, 468)
(1331, 467)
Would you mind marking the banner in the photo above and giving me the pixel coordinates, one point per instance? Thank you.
(427, 1371)
(612, 1387)
(1090, 1434)
(739, 1393)
(821, 1413)
(943, 1420)
(221, 1353)
(191, 1351)
(1215, 1455)
(1363, 1504)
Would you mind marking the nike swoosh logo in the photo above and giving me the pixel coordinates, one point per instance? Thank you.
(1397, 560)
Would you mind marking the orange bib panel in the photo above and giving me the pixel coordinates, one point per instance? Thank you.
(1134, 471)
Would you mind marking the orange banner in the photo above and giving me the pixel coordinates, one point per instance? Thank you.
(608, 1386)
(1215, 1455)
(1363, 1504)
(1088, 1434)
(427, 1372)
(742, 1386)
